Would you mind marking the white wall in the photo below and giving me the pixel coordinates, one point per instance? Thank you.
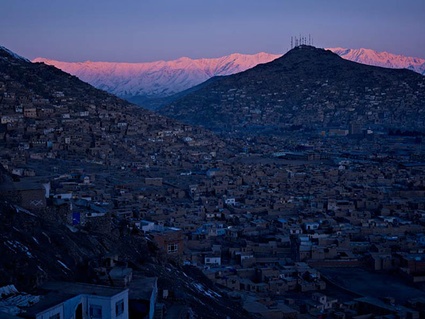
(67, 309)
(51, 312)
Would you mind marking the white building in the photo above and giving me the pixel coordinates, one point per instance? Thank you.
(78, 300)
(212, 260)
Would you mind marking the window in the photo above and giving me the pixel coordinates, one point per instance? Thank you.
(95, 311)
(119, 307)
(55, 316)
(172, 248)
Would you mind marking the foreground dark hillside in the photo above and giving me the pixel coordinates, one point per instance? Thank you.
(92, 149)
(35, 251)
(310, 89)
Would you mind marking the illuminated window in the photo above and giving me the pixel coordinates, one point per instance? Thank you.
(172, 248)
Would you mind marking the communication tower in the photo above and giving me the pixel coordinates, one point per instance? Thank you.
(301, 40)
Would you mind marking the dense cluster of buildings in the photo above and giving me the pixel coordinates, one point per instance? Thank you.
(261, 216)
(259, 224)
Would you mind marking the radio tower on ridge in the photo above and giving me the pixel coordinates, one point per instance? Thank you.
(301, 40)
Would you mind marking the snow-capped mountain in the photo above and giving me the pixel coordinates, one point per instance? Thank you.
(384, 59)
(157, 79)
(161, 79)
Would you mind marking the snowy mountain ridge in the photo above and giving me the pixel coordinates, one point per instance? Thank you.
(160, 78)
(164, 78)
(383, 59)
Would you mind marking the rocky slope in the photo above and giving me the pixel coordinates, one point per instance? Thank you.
(35, 251)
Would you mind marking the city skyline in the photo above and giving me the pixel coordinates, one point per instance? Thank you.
(143, 31)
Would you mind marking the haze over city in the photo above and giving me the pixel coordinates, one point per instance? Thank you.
(141, 31)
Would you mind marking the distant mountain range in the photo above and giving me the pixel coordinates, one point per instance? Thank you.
(383, 59)
(157, 79)
(307, 89)
(144, 83)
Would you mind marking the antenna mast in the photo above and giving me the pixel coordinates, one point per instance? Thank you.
(301, 40)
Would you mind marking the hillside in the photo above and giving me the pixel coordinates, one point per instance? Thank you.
(68, 149)
(71, 119)
(35, 251)
(308, 88)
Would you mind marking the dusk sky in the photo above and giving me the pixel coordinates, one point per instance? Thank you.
(149, 30)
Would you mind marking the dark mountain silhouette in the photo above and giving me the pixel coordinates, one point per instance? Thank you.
(307, 88)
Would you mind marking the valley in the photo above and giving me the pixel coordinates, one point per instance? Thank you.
(254, 197)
